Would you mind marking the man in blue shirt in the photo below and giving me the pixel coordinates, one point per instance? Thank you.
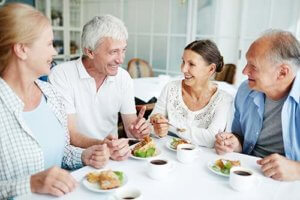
(267, 112)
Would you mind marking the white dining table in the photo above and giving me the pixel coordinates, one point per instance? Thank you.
(186, 181)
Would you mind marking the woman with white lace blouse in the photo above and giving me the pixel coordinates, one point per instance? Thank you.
(195, 104)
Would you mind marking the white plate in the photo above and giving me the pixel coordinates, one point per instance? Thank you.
(140, 158)
(210, 164)
(95, 186)
(169, 146)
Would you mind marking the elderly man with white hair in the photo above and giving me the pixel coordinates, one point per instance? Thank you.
(267, 107)
(95, 88)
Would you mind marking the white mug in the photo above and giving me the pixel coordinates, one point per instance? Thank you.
(128, 193)
(187, 153)
(241, 179)
(159, 168)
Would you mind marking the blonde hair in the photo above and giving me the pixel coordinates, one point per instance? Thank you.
(20, 23)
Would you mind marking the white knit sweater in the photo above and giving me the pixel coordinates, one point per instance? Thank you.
(201, 125)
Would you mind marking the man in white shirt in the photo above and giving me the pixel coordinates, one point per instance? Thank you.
(95, 89)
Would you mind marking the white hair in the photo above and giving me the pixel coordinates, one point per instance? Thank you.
(284, 48)
(100, 27)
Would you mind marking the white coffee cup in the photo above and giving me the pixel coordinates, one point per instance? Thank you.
(159, 169)
(128, 193)
(241, 179)
(187, 153)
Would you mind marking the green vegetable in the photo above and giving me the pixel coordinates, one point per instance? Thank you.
(144, 154)
(225, 171)
(216, 168)
(173, 143)
(150, 152)
(228, 165)
(120, 175)
(141, 154)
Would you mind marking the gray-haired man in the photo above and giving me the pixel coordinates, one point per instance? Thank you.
(95, 89)
(267, 107)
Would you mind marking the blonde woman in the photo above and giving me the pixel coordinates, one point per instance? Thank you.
(34, 138)
(195, 104)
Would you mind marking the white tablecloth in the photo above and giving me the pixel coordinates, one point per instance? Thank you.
(186, 181)
(146, 88)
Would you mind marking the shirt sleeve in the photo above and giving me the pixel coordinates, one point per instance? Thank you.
(59, 79)
(128, 104)
(161, 104)
(15, 187)
(236, 125)
(72, 157)
(206, 137)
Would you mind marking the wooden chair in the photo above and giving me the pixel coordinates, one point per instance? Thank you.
(138, 68)
(227, 74)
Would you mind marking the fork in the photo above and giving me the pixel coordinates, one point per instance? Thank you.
(181, 130)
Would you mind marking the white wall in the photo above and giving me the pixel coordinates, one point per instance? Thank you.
(158, 34)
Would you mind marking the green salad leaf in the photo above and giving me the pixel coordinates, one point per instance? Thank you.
(120, 175)
(150, 152)
(145, 154)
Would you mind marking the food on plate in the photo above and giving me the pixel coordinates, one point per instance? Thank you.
(177, 141)
(107, 179)
(224, 165)
(146, 148)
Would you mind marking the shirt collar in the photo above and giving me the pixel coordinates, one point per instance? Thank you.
(12, 100)
(295, 91)
(9, 98)
(84, 74)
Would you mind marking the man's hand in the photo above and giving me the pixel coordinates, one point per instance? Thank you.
(160, 125)
(54, 181)
(119, 148)
(140, 128)
(227, 142)
(96, 156)
(280, 168)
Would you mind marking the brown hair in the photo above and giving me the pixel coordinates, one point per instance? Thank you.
(20, 23)
(209, 52)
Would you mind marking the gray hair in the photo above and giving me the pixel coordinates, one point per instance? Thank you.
(99, 27)
(283, 48)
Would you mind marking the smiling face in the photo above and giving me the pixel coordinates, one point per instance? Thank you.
(195, 69)
(262, 74)
(41, 52)
(108, 56)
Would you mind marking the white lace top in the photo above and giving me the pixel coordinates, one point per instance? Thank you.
(202, 125)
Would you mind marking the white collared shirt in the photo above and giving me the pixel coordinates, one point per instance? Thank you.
(96, 111)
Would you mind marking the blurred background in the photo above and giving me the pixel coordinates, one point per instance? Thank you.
(160, 29)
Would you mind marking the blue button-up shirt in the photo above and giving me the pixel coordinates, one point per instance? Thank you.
(248, 118)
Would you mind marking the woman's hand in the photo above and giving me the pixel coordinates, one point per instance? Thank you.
(96, 156)
(54, 181)
(160, 124)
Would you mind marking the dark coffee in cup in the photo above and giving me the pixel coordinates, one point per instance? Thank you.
(242, 173)
(158, 162)
(128, 197)
(186, 148)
